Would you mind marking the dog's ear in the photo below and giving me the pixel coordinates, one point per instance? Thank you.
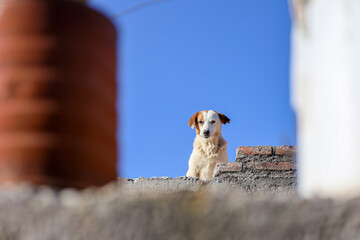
(192, 121)
(223, 119)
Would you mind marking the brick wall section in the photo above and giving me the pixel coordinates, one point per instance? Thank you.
(257, 150)
(227, 167)
(284, 150)
(260, 158)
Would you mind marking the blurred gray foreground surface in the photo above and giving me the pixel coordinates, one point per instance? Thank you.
(166, 208)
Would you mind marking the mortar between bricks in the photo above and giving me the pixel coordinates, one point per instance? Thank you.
(260, 167)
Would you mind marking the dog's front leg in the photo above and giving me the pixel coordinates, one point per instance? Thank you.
(192, 168)
(191, 173)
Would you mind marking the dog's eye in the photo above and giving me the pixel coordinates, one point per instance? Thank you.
(201, 122)
(212, 122)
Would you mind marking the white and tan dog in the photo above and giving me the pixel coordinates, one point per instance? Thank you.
(209, 145)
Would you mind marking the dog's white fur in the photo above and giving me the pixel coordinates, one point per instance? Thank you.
(209, 145)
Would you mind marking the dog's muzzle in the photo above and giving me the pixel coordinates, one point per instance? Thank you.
(206, 133)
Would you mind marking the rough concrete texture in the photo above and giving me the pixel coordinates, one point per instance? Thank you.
(180, 208)
(258, 182)
(227, 167)
(113, 213)
(254, 181)
(163, 184)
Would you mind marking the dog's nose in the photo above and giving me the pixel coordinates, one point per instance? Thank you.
(206, 132)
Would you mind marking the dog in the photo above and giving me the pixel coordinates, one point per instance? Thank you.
(209, 146)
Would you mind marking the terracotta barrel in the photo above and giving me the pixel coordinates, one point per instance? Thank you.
(57, 94)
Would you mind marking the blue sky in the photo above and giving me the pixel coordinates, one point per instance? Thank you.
(182, 56)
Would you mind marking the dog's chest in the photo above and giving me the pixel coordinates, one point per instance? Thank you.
(209, 149)
(207, 155)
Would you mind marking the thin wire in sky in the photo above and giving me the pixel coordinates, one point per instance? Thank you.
(137, 7)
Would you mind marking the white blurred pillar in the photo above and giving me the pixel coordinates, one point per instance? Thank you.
(326, 96)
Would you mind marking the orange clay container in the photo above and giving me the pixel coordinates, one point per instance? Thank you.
(57, 94)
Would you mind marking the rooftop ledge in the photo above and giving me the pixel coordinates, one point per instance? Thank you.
(183, 207)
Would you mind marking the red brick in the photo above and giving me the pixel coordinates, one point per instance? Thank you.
(285, 150)
(274, 166)
(257, 150)
(227, 167)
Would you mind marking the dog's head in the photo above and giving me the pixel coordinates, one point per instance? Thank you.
(208, 123)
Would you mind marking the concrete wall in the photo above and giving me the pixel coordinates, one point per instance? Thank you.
(227, 213)
(183, 208)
